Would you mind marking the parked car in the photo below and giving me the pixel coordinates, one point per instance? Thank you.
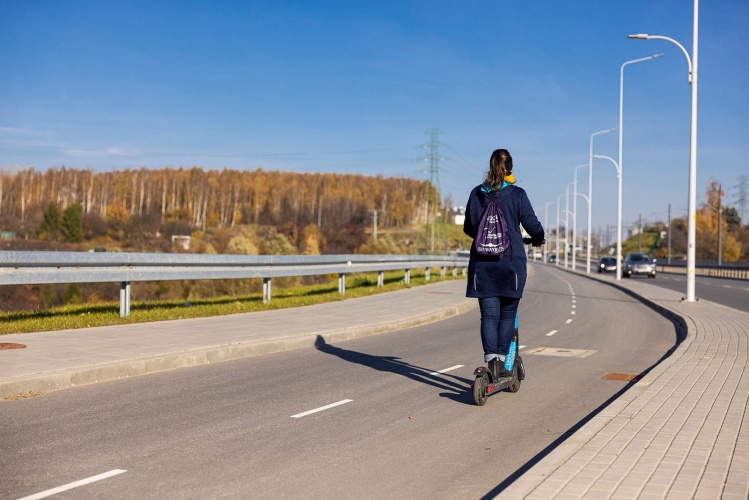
(607, 265)
(638, 263)
(552, 258)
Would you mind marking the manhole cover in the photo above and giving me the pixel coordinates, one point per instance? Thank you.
(561, 352)
(10, 345)
(624, 377)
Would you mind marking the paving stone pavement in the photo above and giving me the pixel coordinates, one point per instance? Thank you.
(680, 432)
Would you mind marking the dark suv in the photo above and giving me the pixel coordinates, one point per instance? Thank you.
(638, 263)
(607, 264)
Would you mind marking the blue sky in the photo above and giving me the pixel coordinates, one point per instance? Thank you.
(353, 87)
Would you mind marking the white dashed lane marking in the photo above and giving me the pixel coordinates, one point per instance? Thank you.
(322, 408)
(447, 370)
(551, 333)
(568, 321)
(70, 486)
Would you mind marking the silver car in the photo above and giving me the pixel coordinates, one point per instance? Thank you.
(638, 263)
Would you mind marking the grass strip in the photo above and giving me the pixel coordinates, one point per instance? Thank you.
(105, 314)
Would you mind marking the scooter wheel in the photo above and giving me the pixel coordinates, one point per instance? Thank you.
(479, 389)
(515, 386)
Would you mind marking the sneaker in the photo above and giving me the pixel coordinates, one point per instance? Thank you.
(504, 373)
(494, 368)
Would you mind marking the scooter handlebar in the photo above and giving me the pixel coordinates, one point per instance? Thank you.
(529, 241)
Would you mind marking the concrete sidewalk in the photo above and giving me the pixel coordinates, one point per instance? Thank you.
(682, 431)
(69, 358)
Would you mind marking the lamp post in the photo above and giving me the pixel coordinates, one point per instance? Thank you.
(692, 214)
(588, 240)
(546, 226)
(618, 217)
(590, 191)
(566, 226)
(574, 220)
(621, 116)
(556, 260)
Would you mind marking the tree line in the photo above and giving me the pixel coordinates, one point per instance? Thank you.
(210, 198)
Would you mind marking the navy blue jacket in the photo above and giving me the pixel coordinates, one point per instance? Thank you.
(490, 276)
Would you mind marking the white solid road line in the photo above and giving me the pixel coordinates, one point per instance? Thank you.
(76, 484)
(447, 369)
(326, 407)
(551, 333)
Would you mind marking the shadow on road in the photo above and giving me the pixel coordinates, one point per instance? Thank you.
(459, 388)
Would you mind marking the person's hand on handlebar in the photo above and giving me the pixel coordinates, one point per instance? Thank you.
(529, 241)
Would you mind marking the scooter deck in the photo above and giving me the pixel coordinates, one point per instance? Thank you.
(492, 386)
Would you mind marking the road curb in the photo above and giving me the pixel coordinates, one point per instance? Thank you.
(114, 370)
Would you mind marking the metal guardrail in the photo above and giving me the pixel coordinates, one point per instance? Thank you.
(32, 268)
(731, 270)
(713, 272)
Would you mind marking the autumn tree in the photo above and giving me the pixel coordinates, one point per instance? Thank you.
(706, 228)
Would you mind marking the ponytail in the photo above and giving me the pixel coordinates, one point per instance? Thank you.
(500, 166)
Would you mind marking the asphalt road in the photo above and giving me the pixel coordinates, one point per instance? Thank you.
(729, 292)
(398, 428)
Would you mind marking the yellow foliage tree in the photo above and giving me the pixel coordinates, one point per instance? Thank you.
(706, 228)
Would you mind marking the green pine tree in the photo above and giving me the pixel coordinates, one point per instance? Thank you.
(72, 223)
(49, 228)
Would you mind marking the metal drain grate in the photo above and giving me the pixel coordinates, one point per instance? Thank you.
(10, 345)
(561, 352)
(624, 377)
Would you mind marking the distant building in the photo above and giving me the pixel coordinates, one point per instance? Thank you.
(459, 215)
(181, 240)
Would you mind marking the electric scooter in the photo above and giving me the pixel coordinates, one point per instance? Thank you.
(485, 385)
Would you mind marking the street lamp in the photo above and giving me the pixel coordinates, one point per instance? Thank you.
(621, 129)
(566, 225)
(587, 236)
(556, 260)
(574, 221)
(590, 191)
(618, 216)
(692, 214)
(546, 227)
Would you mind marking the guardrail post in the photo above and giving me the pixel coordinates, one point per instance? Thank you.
(380, 279)
(407, 277)
(455, 272)
(442, 272)
(465, 271)
(266, 290)
(427, 274)
(124, 299)
(342, 284)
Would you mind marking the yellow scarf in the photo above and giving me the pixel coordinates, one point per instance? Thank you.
(510, 178)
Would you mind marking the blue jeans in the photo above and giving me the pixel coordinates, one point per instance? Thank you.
(497, 325)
